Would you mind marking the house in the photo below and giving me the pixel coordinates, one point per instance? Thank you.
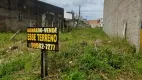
(123, 18)
(68, 20)
(94, 23)
(20, 14)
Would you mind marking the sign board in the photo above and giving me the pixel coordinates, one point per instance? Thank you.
(43, 38)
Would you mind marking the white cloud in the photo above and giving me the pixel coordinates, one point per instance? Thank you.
(90, 9)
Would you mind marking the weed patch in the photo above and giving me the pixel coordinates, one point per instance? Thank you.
(79, 58)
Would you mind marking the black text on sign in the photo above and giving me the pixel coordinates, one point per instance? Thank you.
(43, 38)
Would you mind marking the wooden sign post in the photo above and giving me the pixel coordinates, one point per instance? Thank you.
(46, 39)
(44, 64)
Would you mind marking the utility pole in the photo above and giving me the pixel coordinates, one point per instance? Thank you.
(79, 10)
(86, 17)
(79, 16)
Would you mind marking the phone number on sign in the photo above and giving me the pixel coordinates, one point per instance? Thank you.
(50, 47)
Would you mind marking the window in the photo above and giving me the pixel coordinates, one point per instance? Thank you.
(20, 16)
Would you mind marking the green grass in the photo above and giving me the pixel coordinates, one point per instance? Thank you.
(78, 58)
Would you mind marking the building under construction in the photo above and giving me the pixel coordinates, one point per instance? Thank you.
(20, 14)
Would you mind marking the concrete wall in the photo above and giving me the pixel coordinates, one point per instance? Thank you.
(122, 18)
(95, 25)
(3, 14)
(31, 13)
(9, 20)
(14, 24)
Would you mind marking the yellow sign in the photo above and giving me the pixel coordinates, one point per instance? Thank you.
(43, 38)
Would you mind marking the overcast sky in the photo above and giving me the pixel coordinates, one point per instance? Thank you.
(90, 9)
